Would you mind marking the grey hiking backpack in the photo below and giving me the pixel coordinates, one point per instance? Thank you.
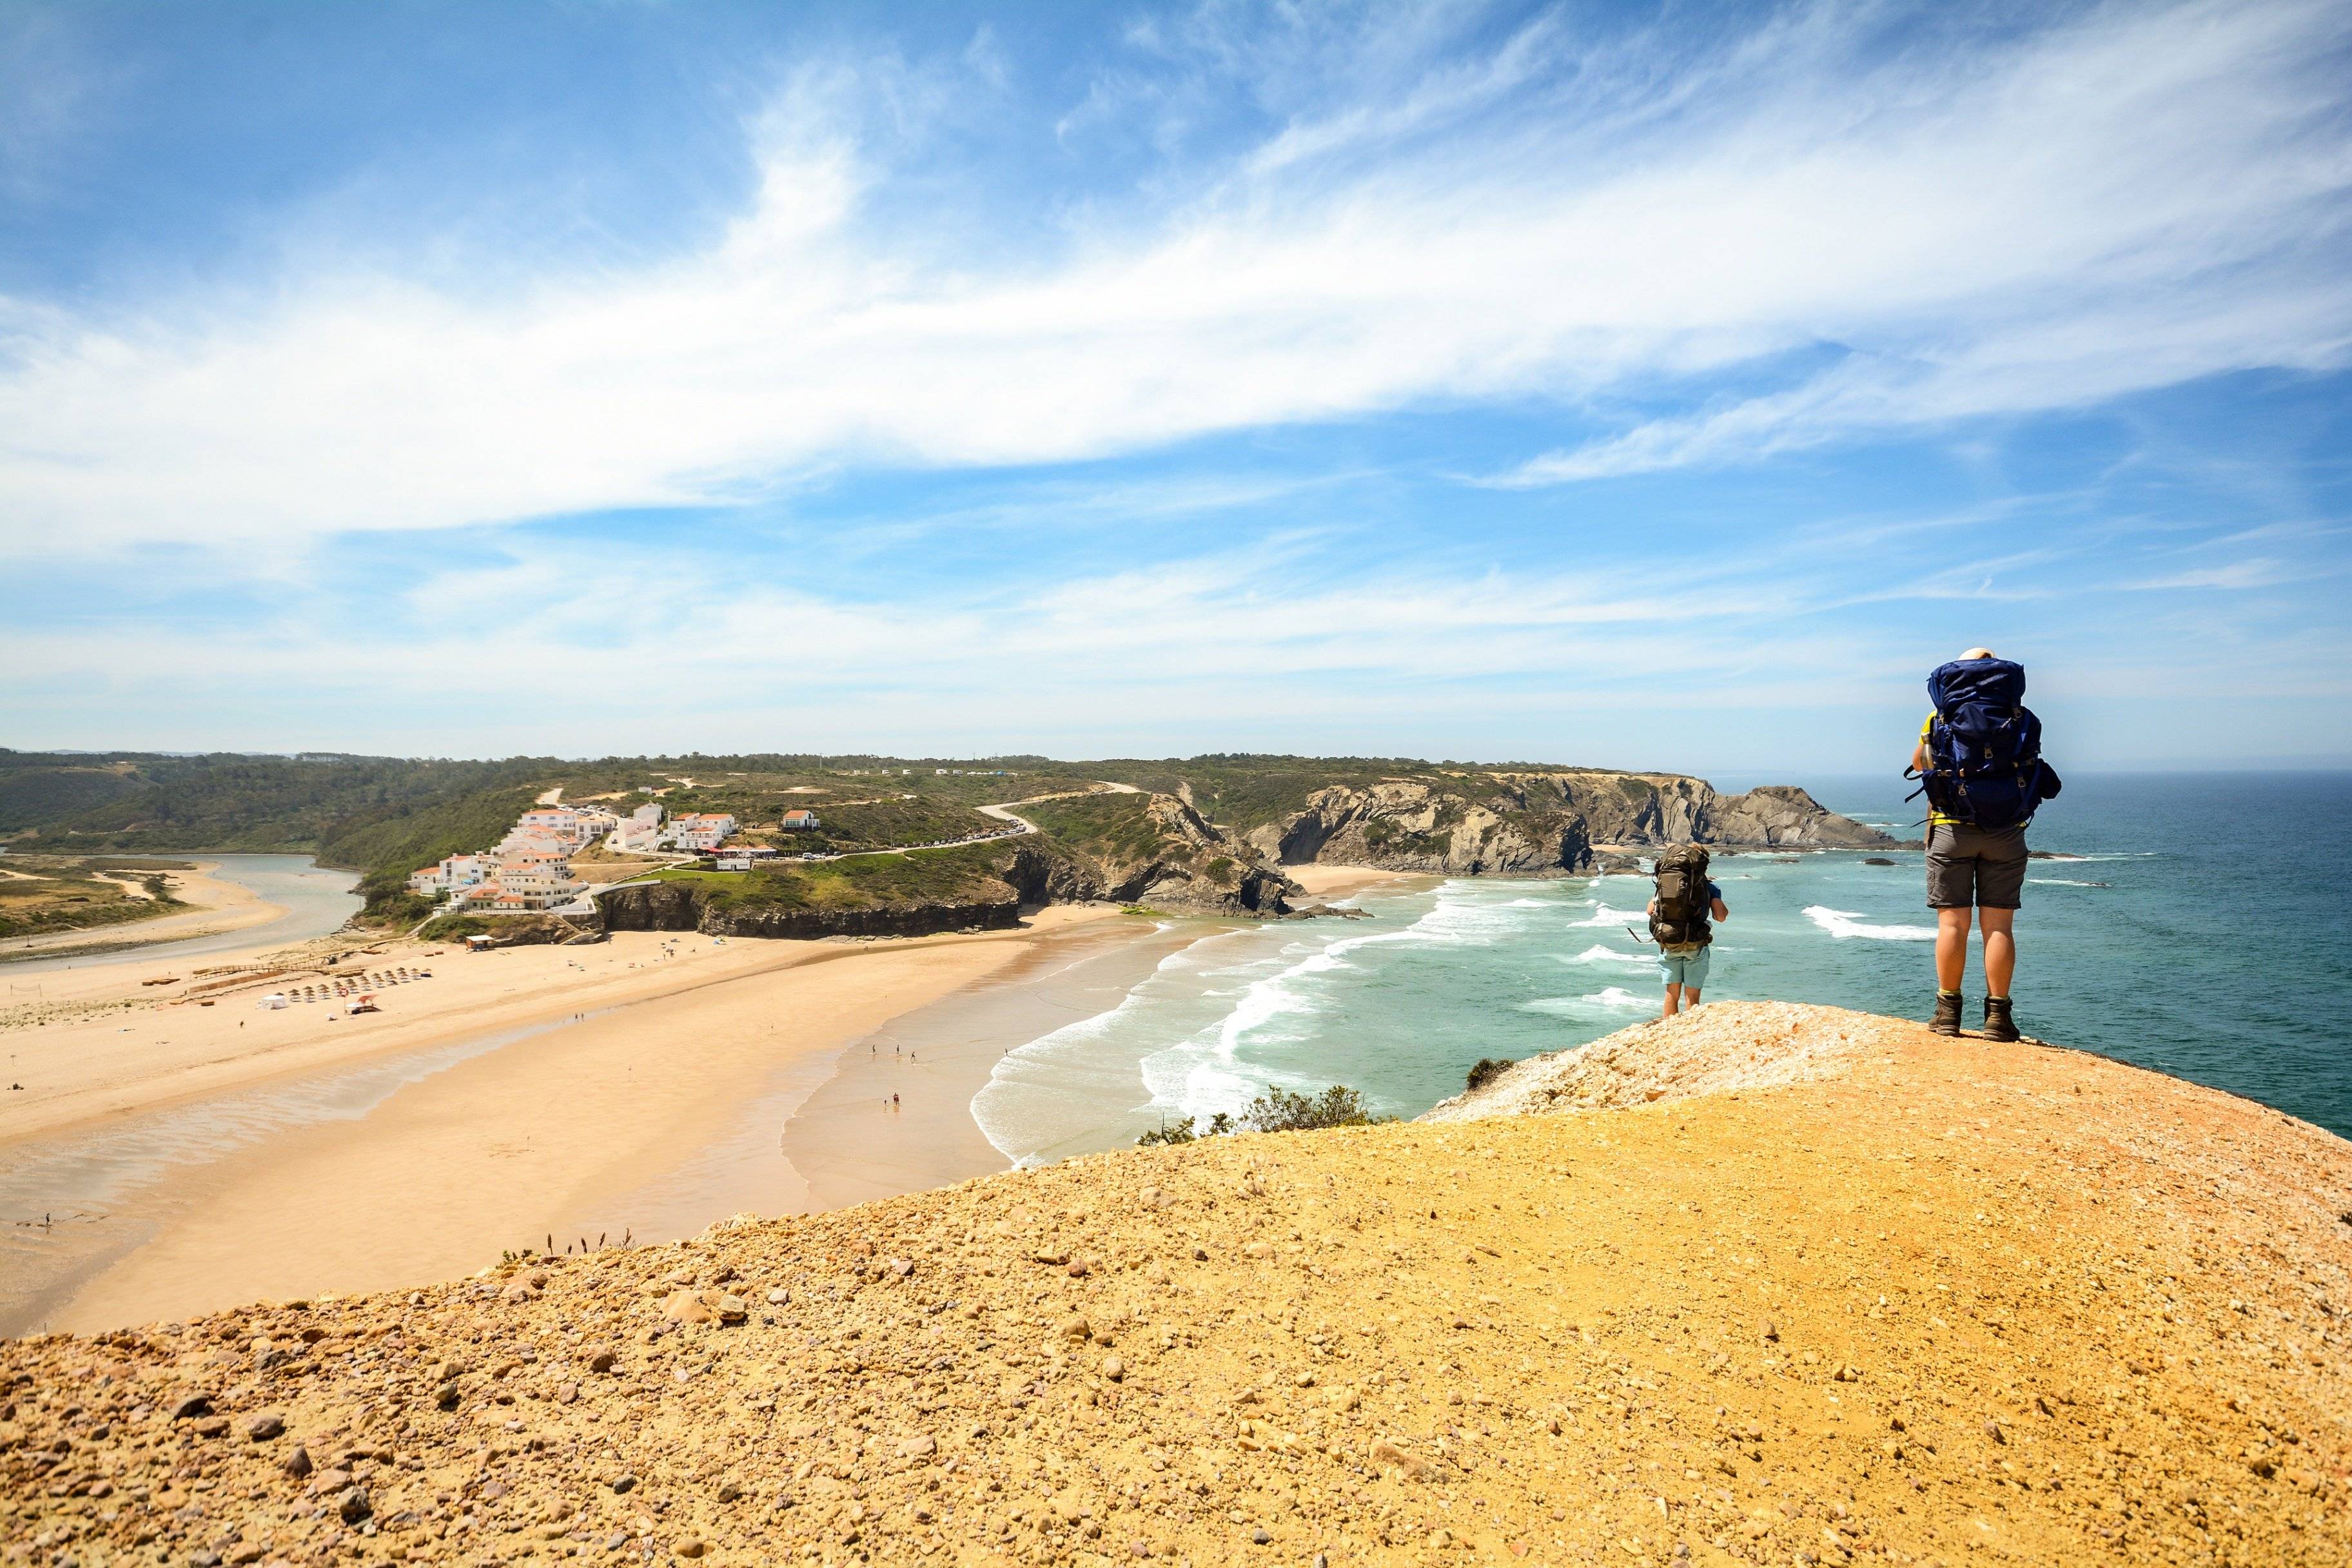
(1679, 900)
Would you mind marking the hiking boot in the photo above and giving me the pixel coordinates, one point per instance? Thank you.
(1998, 1025)
(1948, 1012)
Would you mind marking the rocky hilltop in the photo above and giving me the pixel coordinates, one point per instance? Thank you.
(1765, 1284)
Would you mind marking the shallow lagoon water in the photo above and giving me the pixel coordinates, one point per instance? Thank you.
(316, 901)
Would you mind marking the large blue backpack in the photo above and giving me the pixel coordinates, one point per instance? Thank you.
(1984, 746)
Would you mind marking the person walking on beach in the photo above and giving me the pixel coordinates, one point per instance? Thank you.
(1979, 762)
(1683, 905)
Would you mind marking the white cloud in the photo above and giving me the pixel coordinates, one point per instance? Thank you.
(2136, 197)
(2259, 573)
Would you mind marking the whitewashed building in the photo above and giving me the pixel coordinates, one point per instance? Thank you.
(451, 875)
(702, 830)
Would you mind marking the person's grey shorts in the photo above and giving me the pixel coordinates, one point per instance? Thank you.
(1974, 865)
(1686, 967)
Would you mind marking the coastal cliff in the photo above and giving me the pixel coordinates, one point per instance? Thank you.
(1143, 848)
(683, 906)
(1543, 822)
(1761, 1284)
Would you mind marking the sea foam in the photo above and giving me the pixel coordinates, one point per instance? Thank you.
(1599, 954)
(1845, 923)
(1613, 999)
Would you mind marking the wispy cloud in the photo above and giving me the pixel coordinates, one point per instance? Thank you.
(2259, 573)
(2134, 196)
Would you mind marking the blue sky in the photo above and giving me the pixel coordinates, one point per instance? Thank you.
(1630, 385)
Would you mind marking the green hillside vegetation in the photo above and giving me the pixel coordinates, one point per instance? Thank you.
(870, 824)
(863, 881)
(1110, 827)
(1245, 792)
(222, 802)
(35, 793)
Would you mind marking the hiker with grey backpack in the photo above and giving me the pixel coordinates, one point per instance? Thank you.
(1979, 762)
(1684, 906)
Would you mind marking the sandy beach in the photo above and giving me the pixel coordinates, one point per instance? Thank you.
(225, 1151)
(164, 1158)
(1340, 882)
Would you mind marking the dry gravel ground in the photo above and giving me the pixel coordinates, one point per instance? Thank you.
(1927, 1301)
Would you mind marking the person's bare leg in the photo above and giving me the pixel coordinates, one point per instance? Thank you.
(1674, 1001)
(1999, 947)
(1690, 997)
(1952, 947)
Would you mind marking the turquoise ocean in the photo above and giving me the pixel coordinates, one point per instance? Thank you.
(2198, 924)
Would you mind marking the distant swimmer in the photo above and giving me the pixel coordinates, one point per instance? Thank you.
(1979, 762)
(1683, 905)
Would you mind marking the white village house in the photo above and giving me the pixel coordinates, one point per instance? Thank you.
(703, 830)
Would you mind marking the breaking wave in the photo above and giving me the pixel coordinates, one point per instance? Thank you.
(1598, 1003)
(1845, 923)
(1598, 953)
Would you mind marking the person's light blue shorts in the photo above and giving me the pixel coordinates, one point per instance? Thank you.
(1687, 970)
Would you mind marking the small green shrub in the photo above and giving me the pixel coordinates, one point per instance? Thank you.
(1281, 1111)
(1168, 1132)
(1186, 1131)
(1487, 1069)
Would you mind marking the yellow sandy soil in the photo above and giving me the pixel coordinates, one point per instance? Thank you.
(1945, 1302)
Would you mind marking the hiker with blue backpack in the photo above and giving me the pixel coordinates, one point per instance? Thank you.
(1979, 762)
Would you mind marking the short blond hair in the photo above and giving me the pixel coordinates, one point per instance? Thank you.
(1980, 653)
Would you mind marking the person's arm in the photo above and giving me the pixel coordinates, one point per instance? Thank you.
(1651, 908)
(1722, 911)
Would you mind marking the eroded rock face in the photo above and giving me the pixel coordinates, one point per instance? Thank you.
(1410, 827)
(895, 920)
(1537, 823)
(681, 906)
